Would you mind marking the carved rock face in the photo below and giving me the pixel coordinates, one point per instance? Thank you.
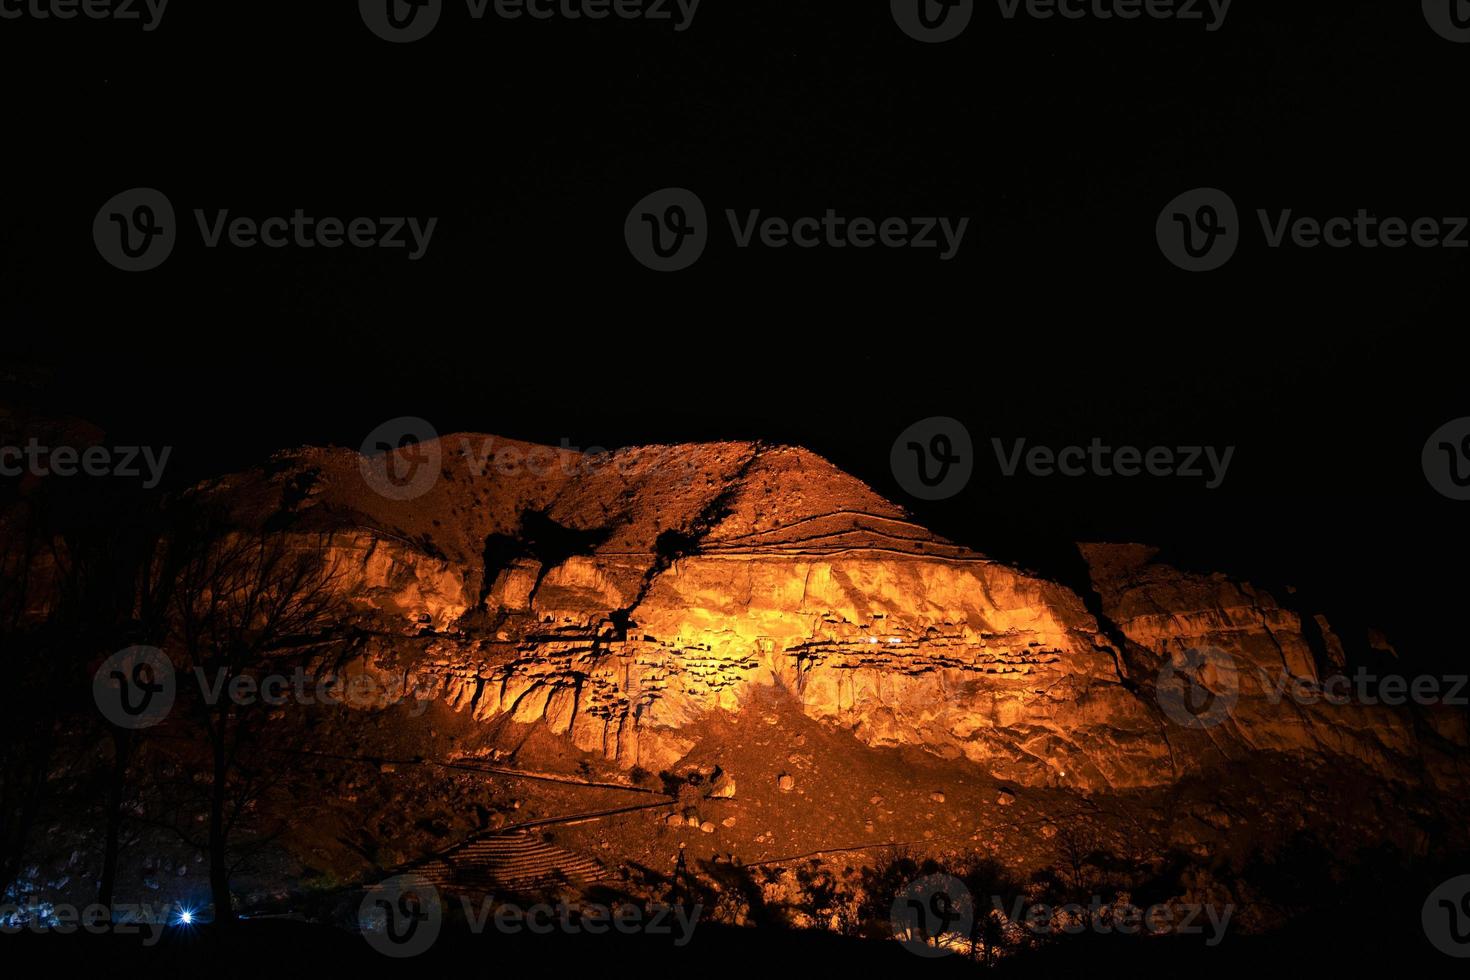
(616, 599)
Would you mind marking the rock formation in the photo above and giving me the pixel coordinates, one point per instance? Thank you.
(612, 600)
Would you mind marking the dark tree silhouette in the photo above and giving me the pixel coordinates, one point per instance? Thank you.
(128, 566)
(244, 603)
(1079, 847)
(993, 888)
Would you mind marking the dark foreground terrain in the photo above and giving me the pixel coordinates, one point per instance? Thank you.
(1384, 938)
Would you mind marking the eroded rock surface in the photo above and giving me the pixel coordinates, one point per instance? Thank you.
(613, 600)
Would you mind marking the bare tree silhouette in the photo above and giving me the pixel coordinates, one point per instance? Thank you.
(244, 602)
(112, 576)
(1079, 846)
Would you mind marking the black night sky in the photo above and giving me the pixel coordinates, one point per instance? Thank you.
(1059, 321)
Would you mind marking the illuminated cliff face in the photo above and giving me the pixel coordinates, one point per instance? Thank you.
(615, 600)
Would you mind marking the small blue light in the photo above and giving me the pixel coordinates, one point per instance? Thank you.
(186, 917)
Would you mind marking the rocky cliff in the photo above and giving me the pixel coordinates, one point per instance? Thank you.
(614, 600)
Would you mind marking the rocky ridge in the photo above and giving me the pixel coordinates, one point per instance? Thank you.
(613, 600)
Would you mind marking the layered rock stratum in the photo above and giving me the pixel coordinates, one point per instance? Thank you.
(614, 600)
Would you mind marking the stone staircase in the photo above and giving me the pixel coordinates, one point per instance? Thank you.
(515, 860)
